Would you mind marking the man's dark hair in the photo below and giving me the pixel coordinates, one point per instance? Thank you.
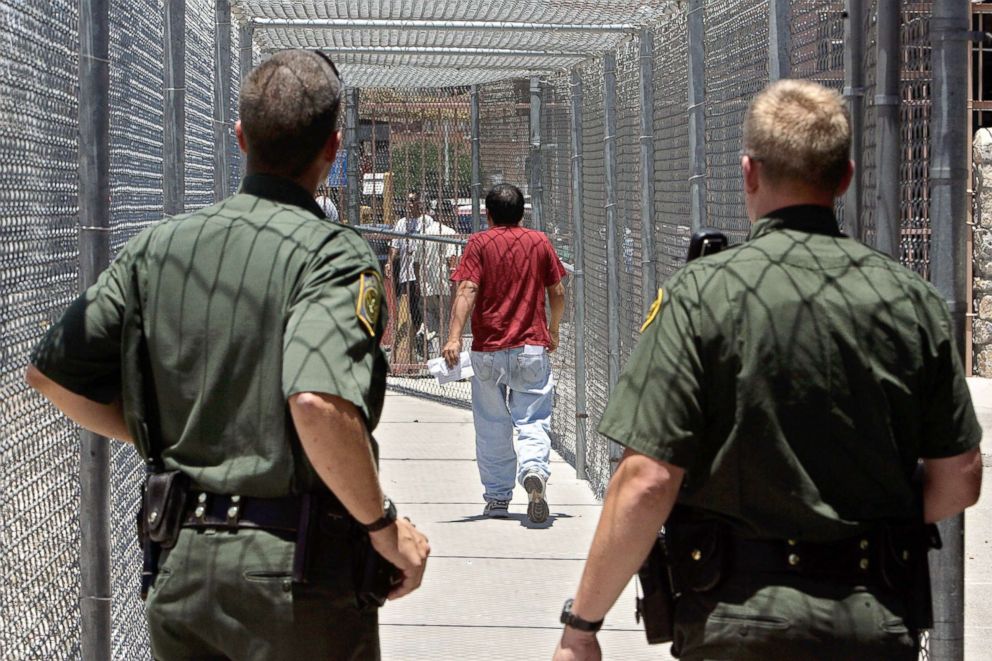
(289, 108)
(505, 204)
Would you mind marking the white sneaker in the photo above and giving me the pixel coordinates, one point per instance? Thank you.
(537, 508)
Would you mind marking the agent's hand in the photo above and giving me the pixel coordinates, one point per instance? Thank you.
(407, 548)
(578, 646)
(452, 350)
(387, 270)
(555, 340)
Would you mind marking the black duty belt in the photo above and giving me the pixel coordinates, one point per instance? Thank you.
(208, 510)
(286, 514)
(855, 559)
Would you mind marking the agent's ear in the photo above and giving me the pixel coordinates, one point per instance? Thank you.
(846, 179)
(749, 168)
(240, 135)
(331, 146)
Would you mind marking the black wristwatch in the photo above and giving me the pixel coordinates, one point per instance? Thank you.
(570, 619)
(388, 517)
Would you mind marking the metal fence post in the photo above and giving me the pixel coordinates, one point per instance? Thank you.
(174, 120)
(649, 273)
(222, 99)
(886, 203)
(579, 288)
(612, 263)
(94, 254)
(353, 196)
(949, 177)
(476, 159)
(697, 115)
(245, 62)
(779, 64)
(854, 93)
(536, 159)
(245, 58)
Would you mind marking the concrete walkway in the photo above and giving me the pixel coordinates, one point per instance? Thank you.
(494, 588)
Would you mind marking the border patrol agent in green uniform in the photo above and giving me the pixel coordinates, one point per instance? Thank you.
(783, 392)
(238, 347)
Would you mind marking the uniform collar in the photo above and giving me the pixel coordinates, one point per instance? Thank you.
(803, 218)
(280, 189)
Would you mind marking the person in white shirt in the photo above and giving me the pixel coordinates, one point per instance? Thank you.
(436, 261)
(405, 277)
(326, 204)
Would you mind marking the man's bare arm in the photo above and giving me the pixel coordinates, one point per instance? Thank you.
(461, 309)
(388, 268)
(638, 500)
(103, 419)
(556, 297)
(950, 485)
(334, 438)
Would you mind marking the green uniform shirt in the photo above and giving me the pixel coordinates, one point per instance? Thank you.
(242, 305)
(797, 378)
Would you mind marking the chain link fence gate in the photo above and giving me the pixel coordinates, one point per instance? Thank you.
(414, 122)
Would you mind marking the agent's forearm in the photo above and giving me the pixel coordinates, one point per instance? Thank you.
(103, 419)
(333, 435)
(639, 499)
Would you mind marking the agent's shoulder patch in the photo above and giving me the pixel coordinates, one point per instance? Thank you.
(369, 303)
(655, 309)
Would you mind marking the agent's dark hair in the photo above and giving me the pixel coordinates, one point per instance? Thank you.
(505, 204)
(289, 108)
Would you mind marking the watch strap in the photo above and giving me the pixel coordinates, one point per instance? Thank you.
(570, 619)
(388, 517)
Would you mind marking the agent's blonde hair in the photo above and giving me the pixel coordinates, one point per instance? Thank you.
(799, 131)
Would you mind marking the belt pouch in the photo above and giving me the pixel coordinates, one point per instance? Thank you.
(906, 571)
(163, 506)
(657, 606)
(301, 560)
(699, 554)
(375, 577)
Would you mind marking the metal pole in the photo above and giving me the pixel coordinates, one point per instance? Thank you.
(94, 255)
(245, 61)
(536, 162)
(886, 203)
(949, 176)
(612, 263)
(449, 51)
(697, 116)
(854, 92)
(222, 99)
(437, 26)
(353, 201)
(649, 276)
(246, 37)
(174, 120)
(476, 159)
(779, 66)
(579, 288)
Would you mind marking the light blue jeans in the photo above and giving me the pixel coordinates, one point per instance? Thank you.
(511, 389)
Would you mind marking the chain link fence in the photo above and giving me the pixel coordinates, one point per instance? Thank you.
(39, 457)
(413, 134)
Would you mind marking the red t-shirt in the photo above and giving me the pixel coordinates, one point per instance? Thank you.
(512, 266)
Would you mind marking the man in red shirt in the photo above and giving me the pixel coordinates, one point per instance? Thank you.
(502, 279)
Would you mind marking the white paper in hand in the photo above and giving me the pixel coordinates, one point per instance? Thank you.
(444, 374)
